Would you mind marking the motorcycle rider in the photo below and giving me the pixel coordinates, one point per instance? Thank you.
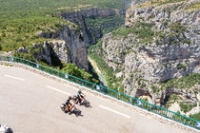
(69, 105)
(80, 96)
(68, 100)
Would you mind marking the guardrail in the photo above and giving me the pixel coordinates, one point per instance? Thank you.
(110, 92)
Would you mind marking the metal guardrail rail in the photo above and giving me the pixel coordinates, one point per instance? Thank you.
(187, 121)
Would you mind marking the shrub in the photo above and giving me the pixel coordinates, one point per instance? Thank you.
(185, 107)
(181, 66)
(73, 70)
(196, 116)
(177, 27)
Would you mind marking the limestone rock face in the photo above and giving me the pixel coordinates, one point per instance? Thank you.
(61, 50)
(172, 52)
(74, 47)
(78, 17)
(67, 47)
(70, 45)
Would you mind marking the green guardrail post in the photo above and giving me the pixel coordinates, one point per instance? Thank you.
(11, 59)
(98, 88)
(118, 95)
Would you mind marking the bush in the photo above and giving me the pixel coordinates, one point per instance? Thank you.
(186, 107)
(196, 116)
(181, 66)
(177, 27)
(73, 70)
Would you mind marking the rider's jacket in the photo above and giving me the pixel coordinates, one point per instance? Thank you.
(81, 95)
(69, 100)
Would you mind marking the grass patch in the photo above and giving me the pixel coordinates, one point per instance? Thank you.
(194, 7)
(22, 32)
(156, 3)
(140, 30)
(184, 82)
(161, 2)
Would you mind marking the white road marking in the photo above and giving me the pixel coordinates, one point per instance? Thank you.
(114, 111)
(14, 77)
(50, 87)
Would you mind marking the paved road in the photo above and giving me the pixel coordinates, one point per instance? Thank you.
(30, 103)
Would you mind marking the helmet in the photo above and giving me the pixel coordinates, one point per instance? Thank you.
(79, 91)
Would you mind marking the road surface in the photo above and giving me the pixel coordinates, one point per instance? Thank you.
(30, 103)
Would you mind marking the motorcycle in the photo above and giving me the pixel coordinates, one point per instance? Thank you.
(81, 102)
(73, 110)
(76, 111)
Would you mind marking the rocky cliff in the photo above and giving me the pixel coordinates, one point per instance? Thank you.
(159, 42)
(66, 46)
(90, 36)
(70, 43)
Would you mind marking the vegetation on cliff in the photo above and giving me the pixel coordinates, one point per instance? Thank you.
(24, 23)
(108, 72)
(157, 52)
(21, 20)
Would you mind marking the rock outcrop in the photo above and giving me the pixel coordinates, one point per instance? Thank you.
(163, 43)
(67, 47)
(91, 35)
(70, 43)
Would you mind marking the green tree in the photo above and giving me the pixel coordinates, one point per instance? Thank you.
(72, 69)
